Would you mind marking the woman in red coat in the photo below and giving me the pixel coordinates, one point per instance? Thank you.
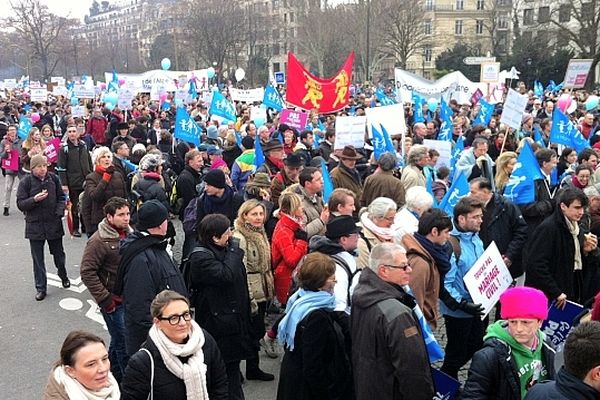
(289, 244)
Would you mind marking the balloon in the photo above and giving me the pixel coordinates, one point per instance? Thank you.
(103, 86)
(210, 72)
(110, 106)
(165, 64)
(162, 97)
(572, 107)
(74, 101)
(592, 102)
(564, 101)
(432, 104)
(111, 98)
(122, 81)
(35, 117)
(239, 74)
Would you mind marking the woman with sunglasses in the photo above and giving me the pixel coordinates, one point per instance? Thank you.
(178, 361)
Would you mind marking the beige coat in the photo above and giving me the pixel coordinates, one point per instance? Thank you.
(312, 210)
(413, 176)
(362, 261)
(382, 184)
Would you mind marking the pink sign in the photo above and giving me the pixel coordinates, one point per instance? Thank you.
(12, 162)
(51, 151)
(294, 119)
(476, 96)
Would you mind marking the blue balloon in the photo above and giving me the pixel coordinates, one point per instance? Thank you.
(215, 89)
(432, 104)
(210, 72)
(111, 98)
(110, 106)
(74, 101)
(592, 102)
(165, 64)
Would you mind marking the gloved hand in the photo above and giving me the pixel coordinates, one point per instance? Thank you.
(475, 310)
(301, 235)
(110, 307)
(106, 176)
(110, 169)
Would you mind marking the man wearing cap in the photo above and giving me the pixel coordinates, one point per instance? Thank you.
(515, 355)
(273, 152)
(285, 178)
(145, 269)
(345, 175)
(218, 197)
(243, 165)
(43, 201)
(123, 135)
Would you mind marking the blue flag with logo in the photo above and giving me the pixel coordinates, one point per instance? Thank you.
(238, 139)
(458, 148)
(259, 156)
(378, 143)
(564, 132)
(24, 127)
(560, 321)
(434, 350)
(537, 136)
(389, 144)
(383, 98)
(222, 107)
(446, 387)
(551, 86)
(327, 183)
(186, 128)
(520, 188)
(485, 113)
(113, 85)
(193, 91)
(538, 89)
(418, 102)
(446, 113)
(272, 98)
(458, 190)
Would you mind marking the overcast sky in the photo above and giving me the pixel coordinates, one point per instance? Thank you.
(76, 8)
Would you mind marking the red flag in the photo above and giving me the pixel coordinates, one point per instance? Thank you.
(308, 92)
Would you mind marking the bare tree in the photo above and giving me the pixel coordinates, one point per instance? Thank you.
(40, 29)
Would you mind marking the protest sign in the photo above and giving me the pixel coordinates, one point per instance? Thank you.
(11, 163)
(451, 86)
(60, 91)
(59, 80)
(84, 92)
(78, 111)
(258, 115)
(51, 150)
(143, 83)
(478, 94)
(247, 95)
(443, 147)
(488, 278)
(490, 72)
(294, 119)
(391, 117)
(39, 94)
(349, 131)
(577, 73)
(10, 84)
(514, 106)
(125, 98)
(446, 387)
(560, 322)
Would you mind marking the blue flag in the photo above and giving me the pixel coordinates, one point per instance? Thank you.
(559, 86)
(564, 132)
(434, 350)
(113, 85)
(446, 113)
(537, 136)
(383, 98)
(458, 148)
(259, 156)
(24, 127)
(316, 139)
(327, 183)
(130, 165)
(186, 128)
(458, 190)
(389, 144)
(222, 107)
(238, 139)
(378, 143)
(485, 113)
(551, 86)
(538, 89)
(418, 102)
(560, 321)
(429, 174)
(446, 387)
(272, 98)
(520, 188)
(193, 91)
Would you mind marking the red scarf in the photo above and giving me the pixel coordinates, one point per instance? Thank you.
(100, 169)
(576, 183)
(277, 162)
(122, 232)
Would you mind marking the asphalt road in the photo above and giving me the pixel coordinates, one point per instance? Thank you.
(32, 332)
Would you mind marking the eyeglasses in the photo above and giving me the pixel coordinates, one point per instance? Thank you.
(174, 319)
(403, 267)
(389, 219)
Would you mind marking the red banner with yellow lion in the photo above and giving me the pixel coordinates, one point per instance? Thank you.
(308, 92)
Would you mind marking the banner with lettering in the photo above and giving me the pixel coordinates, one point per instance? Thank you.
(51, 150)
(247, 95)
(294, 119)
(560, 322)
(309, 92)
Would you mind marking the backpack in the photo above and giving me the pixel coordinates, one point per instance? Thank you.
(185, 272)
(190, 215)
(174, 200)
(455, 242)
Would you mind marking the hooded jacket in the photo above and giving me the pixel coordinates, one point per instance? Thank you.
(566, 387)
(389, 357)
(494, 371)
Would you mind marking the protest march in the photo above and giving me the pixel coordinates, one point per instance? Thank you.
(403, 239)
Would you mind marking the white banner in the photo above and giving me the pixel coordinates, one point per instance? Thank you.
(577, 73)
(39, 94)
(443, 147)
(84, 92)
(78, 111)
(391, 117)
(143, 83)
(349, 131)
(514, 106)
(247, 95)
(60, 91)
(10, 84)
(488, 278)
(452, 86)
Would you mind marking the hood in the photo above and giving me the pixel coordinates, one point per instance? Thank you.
(371, 290)
(462, 234)
(498, 330)
(106, 231)
(324, 245)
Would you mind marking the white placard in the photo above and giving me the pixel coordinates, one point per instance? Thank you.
(60, 91)
(443, 147)
(258, 113)
(125, 98)
(59, 80)
(247, 95)
(349, 131)
(577, 73)
(514, 106)
(78, 111)
(391, 117)
(39, 94)
(10, 84)
(490, 72)
(84, 92)
(488, 278)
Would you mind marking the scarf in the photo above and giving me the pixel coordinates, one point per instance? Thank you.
(256, 237)
(99, 169)
(192, 372)
(76, 391)
(440, 253)
(299, 305)
(276, 162)
(385, 234)
(574, 229)
(576, 183)
(301, 221)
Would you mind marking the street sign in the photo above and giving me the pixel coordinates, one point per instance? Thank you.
(478, 60)
(490, 72)
(280, 78)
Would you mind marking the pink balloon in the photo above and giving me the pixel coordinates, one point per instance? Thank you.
(103, 86)
(564, 101)
(121, 82)
(35, 117)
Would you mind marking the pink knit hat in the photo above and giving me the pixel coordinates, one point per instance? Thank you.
(524, 302)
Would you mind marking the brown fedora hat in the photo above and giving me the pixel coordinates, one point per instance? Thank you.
(350, 153)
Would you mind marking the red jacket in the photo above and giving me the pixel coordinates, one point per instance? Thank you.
(286, 252)
(96, 127)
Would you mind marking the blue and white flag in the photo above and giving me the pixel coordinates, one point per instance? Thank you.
(538, 89)
(537, 136)
(259, 156)
(132, 167)
(24, 127)
(564, 132)
(113, 85)
(445, 132)
(458, 190)
(383, 98)
(193, 91)
(520, 188)
(551, 86)
(418, 102)
(378, 143)
(485, 113)
(186, 128)
(272, 98)
(222, 107)
(327, 183)
(434, 350)
(389, 144)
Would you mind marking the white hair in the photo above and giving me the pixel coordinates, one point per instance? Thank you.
(418, 199)
(380, 207)
(100, 152)
(384, 253)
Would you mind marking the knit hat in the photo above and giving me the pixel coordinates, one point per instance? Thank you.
(342, 225)
(248, 142)
(523, 302)
(294, 160)
(212, 132)
(151, 214)
(37, 160)
(215, 178)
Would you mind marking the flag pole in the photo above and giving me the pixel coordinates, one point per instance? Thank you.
(504, 140)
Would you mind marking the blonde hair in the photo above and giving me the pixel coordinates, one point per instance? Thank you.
(28, 143)
(247, 206)
(99, 152)
(289, 202)
(501, 175)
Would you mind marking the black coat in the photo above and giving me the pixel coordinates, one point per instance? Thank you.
(508, 229)
(534, 213)
(186, 187)
(74, 164)
(228, 205)
(493, 372)
(146, 269)
(565, 387)
(319, 367)
(222, 302)
(136, 381)
(149, 188)
(97, 192)
(43, 220)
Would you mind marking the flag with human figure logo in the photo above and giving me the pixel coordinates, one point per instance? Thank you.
(272, 98)
(520, 188)
(222, 107)
(458, 190)
(186, 128)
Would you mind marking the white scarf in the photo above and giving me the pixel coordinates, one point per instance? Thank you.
(574, 229)
(193, 372)
(76, 391)
(385, 234)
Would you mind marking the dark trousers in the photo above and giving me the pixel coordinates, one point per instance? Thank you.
(465, 337)
(188, 245)
(39, 267)
(74, 197)
(234, 376)
(257, 327)
(117, 354)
